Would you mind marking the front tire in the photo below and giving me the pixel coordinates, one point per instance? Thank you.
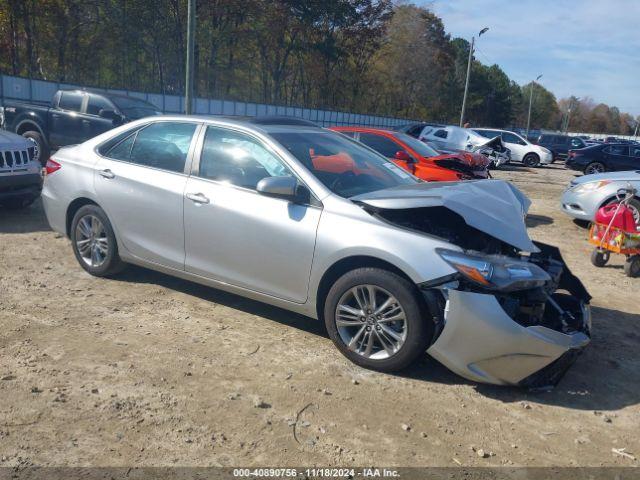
(42, 149)
(594, 167)
(377, 319)
(94, 242)
(531, 160)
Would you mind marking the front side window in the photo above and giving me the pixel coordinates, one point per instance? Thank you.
(511, 138)
(441, 134)
(635, 151)
(135, 108)
(380, 144)
(97, 103)
(235, 158)
(163, 145)
(577, 143)
(71, 101)
(344, 166)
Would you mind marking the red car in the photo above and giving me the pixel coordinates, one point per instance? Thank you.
(419, 158)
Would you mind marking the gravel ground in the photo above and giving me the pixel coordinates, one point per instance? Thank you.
(148, 370)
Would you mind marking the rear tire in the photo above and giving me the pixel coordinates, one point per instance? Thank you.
(632, 266)
(42, 149)
(531, 160)
(599, 258)
(594, 167)
(379, 339)
(94, 242)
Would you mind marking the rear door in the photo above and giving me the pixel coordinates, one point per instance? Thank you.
(140, 183)
(65, 125)
(237, 236)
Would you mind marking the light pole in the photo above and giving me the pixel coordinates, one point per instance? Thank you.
(530, 102)
(191, 34)
(466, 83)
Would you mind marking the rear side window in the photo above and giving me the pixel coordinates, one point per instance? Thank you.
(162, 145)
(71, 101)
(380, 144)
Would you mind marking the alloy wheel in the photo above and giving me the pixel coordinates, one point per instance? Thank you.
(371, 322)
(92, 241)
(595, 168)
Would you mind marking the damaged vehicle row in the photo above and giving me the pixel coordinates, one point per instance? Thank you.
(312, 221)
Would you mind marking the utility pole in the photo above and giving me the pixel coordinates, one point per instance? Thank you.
(466, 83)
(530, 102)
(191, 35)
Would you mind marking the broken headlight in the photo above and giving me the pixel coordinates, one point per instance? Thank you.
(496, 272)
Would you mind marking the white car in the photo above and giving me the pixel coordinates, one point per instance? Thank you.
(450, 139)
(522, 150)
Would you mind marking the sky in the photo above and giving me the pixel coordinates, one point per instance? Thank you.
(586, 48)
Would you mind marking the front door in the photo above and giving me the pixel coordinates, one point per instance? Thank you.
(92, 123)
(617, 158)
(238, 236)
(140, 184)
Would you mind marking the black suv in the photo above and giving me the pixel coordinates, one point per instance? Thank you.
(560, 144)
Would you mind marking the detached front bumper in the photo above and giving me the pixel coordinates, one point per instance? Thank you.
(526, 338)
(481, 342)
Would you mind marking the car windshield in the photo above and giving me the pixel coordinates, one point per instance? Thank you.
(344, 166)
(416, 145)
(134, 108)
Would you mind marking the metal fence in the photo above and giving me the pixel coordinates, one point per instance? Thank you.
(41, 91)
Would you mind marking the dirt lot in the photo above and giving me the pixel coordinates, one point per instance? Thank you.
(149, 370)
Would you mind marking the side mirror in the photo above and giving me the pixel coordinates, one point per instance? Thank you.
(402, 156)
(111, 115)
(285, 187)
(108, 114)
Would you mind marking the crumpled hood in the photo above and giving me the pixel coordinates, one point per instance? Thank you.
(12, 141)
(494, 207)
(471, 159)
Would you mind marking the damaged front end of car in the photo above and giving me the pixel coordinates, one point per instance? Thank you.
(511, 313)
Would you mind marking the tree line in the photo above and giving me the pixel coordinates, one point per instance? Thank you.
(367, 56)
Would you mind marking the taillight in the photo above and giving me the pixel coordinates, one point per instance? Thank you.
(52, 166)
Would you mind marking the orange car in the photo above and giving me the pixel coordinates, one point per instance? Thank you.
(418, 157)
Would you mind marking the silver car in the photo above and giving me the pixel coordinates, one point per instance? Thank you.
(586, 194)
(311, 221)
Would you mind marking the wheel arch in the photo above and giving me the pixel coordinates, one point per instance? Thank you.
(29, 124)
(345, 265)
(73, 207)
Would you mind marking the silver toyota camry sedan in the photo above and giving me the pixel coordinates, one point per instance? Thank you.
(309, 220)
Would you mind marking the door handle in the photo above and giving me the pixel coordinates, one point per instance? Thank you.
(107, 173)
(197, 198)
